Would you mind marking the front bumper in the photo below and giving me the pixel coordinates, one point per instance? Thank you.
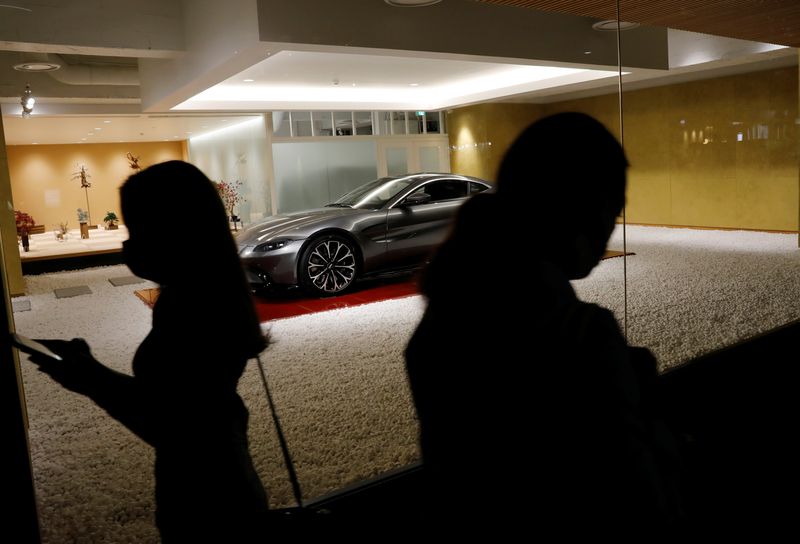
(273, 268)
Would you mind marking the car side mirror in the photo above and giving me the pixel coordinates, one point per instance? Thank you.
(416, 198)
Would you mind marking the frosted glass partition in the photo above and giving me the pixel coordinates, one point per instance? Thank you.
(429, 159)
(312, 174)
(238, 152)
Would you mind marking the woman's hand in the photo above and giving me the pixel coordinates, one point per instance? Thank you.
(77, 371)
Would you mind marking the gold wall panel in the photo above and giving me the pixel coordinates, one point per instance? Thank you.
(718, 152)
(480, 135)
(42, 185)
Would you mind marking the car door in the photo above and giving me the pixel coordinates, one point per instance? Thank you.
(416, 225)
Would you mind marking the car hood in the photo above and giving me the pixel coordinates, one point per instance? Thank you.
(295, 224)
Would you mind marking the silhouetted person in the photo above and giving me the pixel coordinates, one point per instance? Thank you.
(534, 412)
(182, 396)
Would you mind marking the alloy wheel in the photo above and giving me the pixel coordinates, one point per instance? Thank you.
(331, 266)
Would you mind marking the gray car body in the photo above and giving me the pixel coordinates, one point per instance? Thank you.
(393, 237)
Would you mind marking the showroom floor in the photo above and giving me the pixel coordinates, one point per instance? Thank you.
(338, 376)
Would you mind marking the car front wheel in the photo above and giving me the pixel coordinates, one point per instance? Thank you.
(328, 266)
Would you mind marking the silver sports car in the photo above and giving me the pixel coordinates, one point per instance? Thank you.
(387, 225)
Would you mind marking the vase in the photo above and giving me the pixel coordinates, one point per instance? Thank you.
(25, 241)
(84, 230)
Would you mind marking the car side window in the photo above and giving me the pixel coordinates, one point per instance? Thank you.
(444, 189)
(476, 187)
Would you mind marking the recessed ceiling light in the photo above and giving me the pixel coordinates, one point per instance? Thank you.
(188, 132)
(34, 143)
(106, 121)
(37, 66)
(90, 134)
(411, 3)
(96, 128)
(610, 25)
(413, 84)
(83, 139)
(248, 80)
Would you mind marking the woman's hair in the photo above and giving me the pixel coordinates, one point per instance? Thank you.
(175, 210)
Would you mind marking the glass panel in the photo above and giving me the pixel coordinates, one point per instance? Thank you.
(476, 187)
(432, 122)
(398, 122)
(384, 122)
(323, 125)
(415, 122)
(363, 123)
(718, 154)
(238, 153)
(343, 122)
(301, 123)
(280, 124)
(429, 159)
(312, 174)
(446, 189)
(397, 161)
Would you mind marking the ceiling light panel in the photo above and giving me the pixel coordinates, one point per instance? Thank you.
(302, 80)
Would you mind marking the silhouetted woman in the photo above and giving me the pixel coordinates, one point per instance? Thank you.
(534, 413)
(182, 396)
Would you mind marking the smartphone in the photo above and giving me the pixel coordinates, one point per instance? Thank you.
(23, 343)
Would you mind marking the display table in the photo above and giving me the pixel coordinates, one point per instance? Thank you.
(47, 246)
(48, 254)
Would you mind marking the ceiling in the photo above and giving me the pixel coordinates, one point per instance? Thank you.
(90, 129)
(769, 21)
(393, 58)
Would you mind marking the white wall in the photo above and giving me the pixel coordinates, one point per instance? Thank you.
(239, 152)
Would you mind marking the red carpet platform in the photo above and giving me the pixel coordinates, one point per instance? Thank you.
(292, 304)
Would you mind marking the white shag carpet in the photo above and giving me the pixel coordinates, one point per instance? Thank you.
(338, 377)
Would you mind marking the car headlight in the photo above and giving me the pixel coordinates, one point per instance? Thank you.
(270, 246)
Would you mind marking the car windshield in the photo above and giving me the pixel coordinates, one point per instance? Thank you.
(373, 195)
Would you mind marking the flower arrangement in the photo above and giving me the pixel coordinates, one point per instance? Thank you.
(229, 193)
(25, 222)
(61, 233)
(83, 175)
(133, 161)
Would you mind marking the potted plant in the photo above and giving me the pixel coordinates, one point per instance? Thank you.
(24, 224)
(111, 220)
